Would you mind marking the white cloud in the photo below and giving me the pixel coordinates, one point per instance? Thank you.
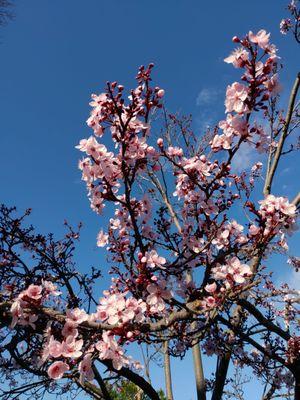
(207, 96)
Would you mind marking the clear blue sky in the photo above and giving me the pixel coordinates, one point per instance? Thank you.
(56, 52)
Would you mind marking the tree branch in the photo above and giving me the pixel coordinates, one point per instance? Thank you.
(276, 158)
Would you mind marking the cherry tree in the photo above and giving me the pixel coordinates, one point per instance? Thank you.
(188, 243)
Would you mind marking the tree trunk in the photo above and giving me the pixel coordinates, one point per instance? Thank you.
(297, 384)
(221, 374)
(199, 375)
(168, 376)
(198, 366)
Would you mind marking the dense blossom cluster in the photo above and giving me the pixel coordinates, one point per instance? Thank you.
(33, 295)
(278, 214)
(261, 83)
(103, 169)
(232, 271)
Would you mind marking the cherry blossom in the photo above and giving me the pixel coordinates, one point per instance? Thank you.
(109, 349)
(102, 239)
(54, 348)
(152, 259)
(70, 329)
(76, 315)
(33, 292)
(261, 38)
(236, 94)
(72, 347)
(85, 368)
(57, 369)
(211, 288)
(238, 58)
(273, 85)
(234, 270)
(158, 293)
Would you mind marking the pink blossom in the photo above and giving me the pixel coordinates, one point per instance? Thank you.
(55, 348)
(69, 329)
(50, 289)
(286, 207)
(196, 244)
(138, 307)
(234, 269)
(211, 288)
(261, 38)
(16, 312)
(231, 231)
(136, 125)
(102, 239)
(76, 315)
(28, 319)
(109, 349)
(234, 125)
(285, 25)
(209, 302)
(116, 310)
(157, 294)
(198, 165)
(160, 93)
(34, 292)
(85, 368)
(71, 347)
(238, 58)
(209, 207)
(57, 369)
(152, 259)
(272, 204)
(210, 347)
(273, 85)
(278, 213)
(160, 142)
(174, 151)
(236, 94)
(90, 146)
(221, 142)
(253, 230)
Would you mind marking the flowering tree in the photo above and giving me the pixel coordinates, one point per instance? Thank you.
(188, 242)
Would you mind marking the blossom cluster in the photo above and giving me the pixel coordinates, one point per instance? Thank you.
(291, 24)
(230, 231)
(102, 169)
(113, 309)
(32, 295)
(260, 82)
(232, 272)
(278, 214)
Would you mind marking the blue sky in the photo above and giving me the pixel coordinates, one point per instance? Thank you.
(57, 52)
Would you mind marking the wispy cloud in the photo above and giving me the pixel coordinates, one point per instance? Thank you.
(208, 96)
(208, 101)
